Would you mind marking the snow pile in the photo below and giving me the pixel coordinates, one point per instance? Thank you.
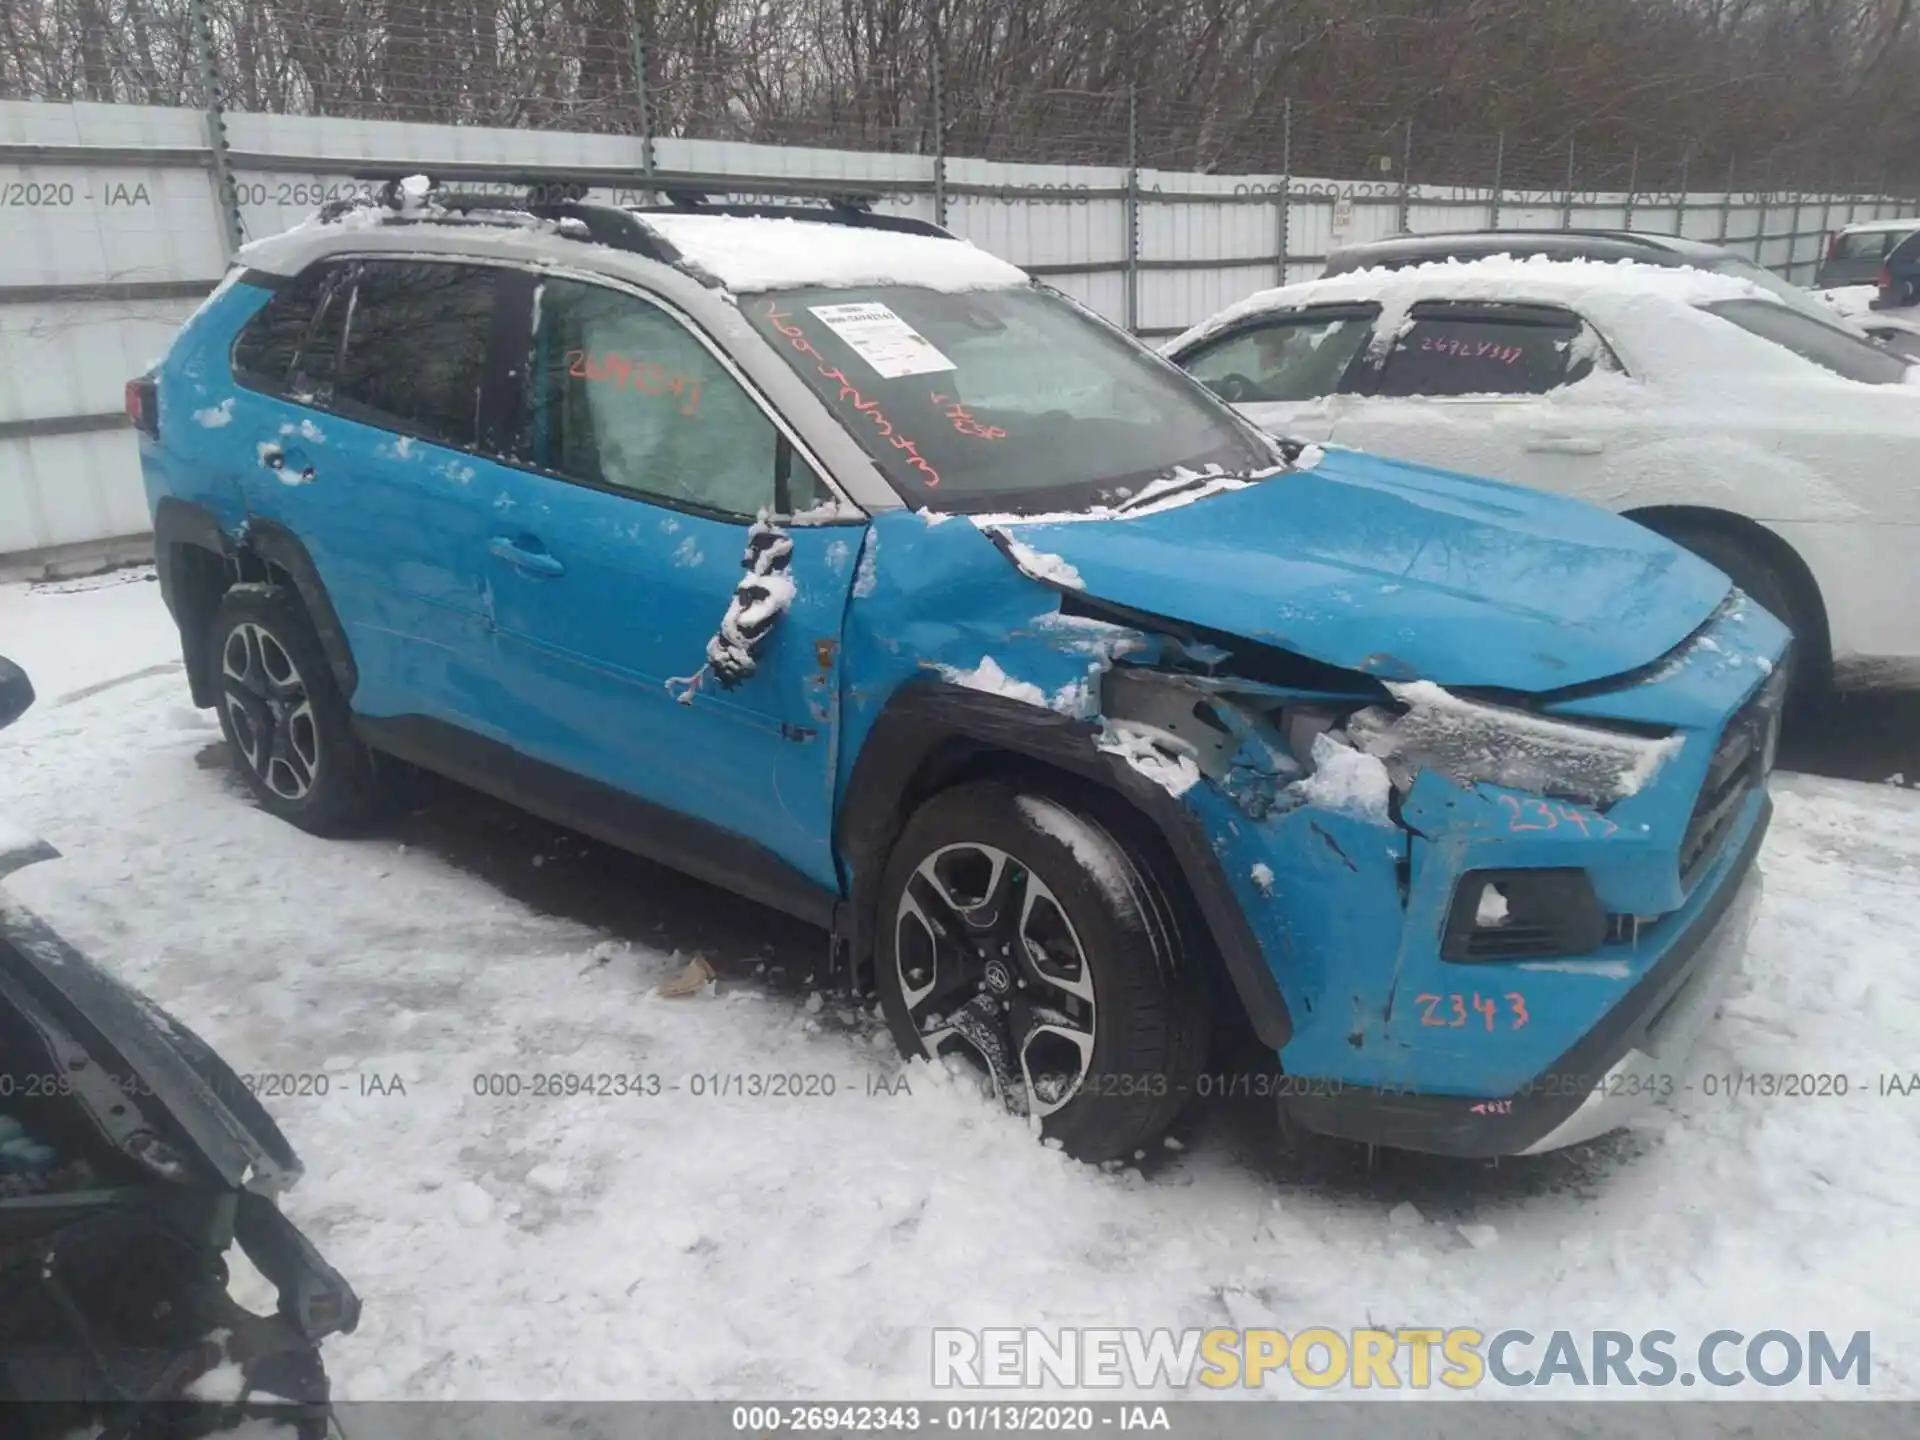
(411, 198)
(748, 254)
(1074, 698)
(1474, 743)
(1164, 759)
(1346, 781)
(1851, 300)
(761, 598)
(20, 847)
(1038, 565)
(989, 678)
(1262, 876)
(215, 417)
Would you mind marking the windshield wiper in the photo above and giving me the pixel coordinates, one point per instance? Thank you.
(1162, 489)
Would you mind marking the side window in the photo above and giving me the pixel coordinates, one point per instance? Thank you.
(264, 351)
(1293, 357)
(413, 346)
(1483, 349)
(620, 394)
(317, 357)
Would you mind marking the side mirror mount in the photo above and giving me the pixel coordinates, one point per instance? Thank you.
(16, 692)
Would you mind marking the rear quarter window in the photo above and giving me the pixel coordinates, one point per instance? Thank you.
(263, 352)
(1818, 343)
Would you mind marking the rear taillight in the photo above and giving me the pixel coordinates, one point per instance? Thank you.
(1833, 246)
(1885, 280)
(143, 407)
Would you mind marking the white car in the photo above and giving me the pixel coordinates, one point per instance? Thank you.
(1782, 448)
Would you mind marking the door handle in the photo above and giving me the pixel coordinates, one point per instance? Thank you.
(292, 469)
(1565, 445)
(534, 562)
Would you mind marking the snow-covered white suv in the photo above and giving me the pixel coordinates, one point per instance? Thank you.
(1784, 450)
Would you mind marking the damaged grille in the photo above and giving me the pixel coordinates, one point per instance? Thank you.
(1740, 762)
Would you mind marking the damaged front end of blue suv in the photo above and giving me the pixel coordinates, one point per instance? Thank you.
(1083, 714)
(1468, 781)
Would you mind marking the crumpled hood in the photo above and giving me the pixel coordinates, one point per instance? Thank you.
(1402, 572)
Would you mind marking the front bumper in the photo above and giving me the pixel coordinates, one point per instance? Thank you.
(1615, 1070)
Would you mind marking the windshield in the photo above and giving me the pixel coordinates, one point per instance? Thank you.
(1827, 346)
(1001, 400)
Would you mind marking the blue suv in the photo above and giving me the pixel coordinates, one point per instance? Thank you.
(838, 563)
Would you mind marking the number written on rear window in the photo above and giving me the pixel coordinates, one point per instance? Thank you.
(1487, 350)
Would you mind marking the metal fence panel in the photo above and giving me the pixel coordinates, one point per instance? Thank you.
(113, 224)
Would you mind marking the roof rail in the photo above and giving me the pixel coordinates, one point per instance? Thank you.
(855, 210)
(558, 201)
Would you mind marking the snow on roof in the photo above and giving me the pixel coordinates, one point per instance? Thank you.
(516, 236)
(749, 253)
(1539, 278)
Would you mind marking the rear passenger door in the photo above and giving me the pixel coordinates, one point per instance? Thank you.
(1490, 389)
(372, 405)
(1283, 371)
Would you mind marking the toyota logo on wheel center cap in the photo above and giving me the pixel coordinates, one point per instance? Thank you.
(999, 978)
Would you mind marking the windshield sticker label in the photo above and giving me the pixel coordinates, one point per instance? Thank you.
(881, 338)
(780, 320)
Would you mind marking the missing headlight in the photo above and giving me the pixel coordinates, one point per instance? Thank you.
(1473, 743)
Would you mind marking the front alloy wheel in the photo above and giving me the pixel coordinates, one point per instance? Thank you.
(1018, 933)
(987, 959)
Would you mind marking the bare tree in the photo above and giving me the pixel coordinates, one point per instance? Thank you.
(1827, 88)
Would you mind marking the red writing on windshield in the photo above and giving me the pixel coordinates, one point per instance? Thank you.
(648, 377)
(1472, 349)
(963, 420)
(797, 337)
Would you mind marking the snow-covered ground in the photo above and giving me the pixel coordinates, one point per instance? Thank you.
(674, 1245)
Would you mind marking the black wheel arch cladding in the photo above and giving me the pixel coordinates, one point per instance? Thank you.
(928, 733)
(183, 529)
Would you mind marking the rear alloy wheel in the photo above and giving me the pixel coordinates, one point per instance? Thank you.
(1021, 936)
(269, 712)
(283, 717)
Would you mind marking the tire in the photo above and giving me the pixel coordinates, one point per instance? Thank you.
(286, 724)
(1102, 1035)
(1763, 581)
